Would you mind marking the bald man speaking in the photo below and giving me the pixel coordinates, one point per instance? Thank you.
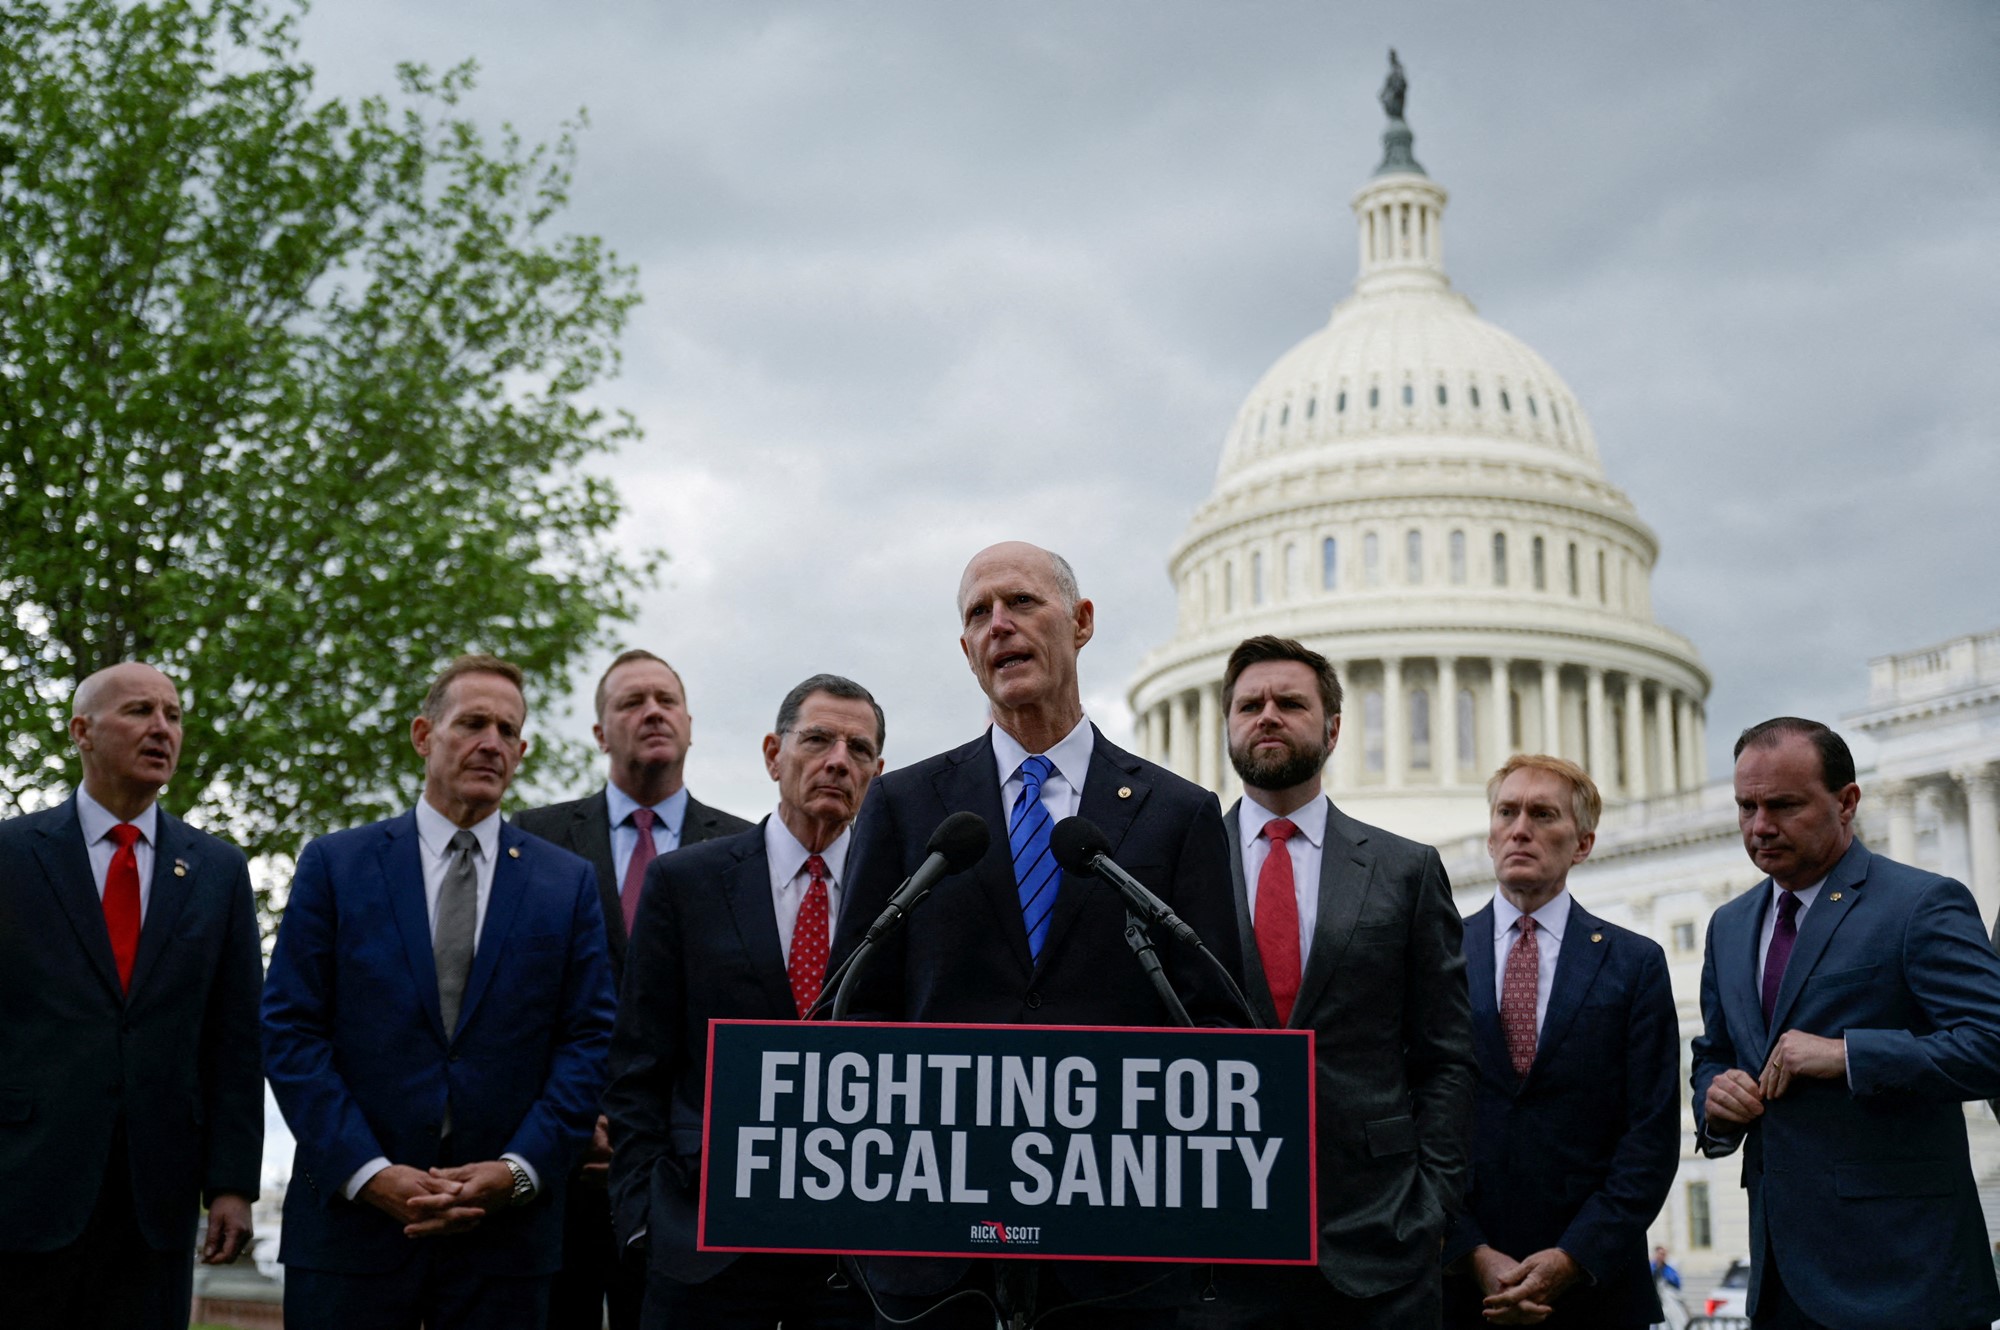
(130, 1093)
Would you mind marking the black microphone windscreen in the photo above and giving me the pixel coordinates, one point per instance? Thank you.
(1075, 842)
(962, 839)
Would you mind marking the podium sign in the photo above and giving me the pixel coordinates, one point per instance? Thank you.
(1047, 1142)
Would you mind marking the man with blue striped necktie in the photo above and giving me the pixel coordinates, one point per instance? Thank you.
(1015, 941)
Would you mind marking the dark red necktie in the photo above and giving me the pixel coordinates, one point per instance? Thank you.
(121, 901)
(1518, 990)
(807, 969)
(635, 872)
(1782, 937)
(1277, 922)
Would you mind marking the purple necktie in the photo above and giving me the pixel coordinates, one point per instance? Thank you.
(635, 870)
(1782, 938)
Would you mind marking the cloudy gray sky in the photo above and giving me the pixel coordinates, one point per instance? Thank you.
(920, 276)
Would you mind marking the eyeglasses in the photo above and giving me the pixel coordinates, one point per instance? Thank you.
(817, 742)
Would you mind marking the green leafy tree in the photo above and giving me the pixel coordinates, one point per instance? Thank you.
(294, 402)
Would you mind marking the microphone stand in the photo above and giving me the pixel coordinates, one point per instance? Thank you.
(1141, 942)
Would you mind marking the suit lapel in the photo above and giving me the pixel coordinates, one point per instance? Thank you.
(590, 837)
(503, 902)
(971, 781)
(1487, 1041)
(746, 890)
(401, 862)
(176, 868)
(66, 862)
(1837, 895)
(1113, 793)
(1256, 986)
(1737, 962)
(1346, 874)
(1577, 965)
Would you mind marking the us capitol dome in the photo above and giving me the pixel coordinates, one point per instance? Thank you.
(1417, 494)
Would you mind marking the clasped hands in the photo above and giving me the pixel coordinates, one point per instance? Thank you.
(432, 1203)
(1522, 1292)
(1735, 1099)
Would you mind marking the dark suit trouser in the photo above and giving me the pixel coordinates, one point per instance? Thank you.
(594, 1271)
(1299, 1298)
(759, 1292)
(434, 1290)
(108, 1279)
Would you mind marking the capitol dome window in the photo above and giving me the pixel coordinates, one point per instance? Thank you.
(1285, 416)
(1409, 395)
(1531, 407)
(1467, 757)
(1441, 396)
(1374, 750)
(1256, 579)
(1312, 405)
(1472, 395)
(1538, 557)
(1458, 558)
(1288, 572)
(1374, 398)
(1603, 586)
(1506, 402)
(1575, 582)
(1413, 558)
(1420, 730)
(1340, 402)
(1329, 563)
(1499, 558)
(1228, 588)
(1262, 421)
(1371, 559)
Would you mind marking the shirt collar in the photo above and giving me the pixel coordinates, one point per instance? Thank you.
(1070, 755)
(98, 820)
(1552, 918)
(788, 855)
(1310, 819)
(670, 811)
(1806, 895)
(435, 830)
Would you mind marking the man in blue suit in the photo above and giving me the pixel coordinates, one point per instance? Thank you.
(436, 1023)
(1850, 1006)
(1576, 1122)
(129, 1091)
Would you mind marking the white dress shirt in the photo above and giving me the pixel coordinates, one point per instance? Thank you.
(1806, 897)
(790, 881)
(97, 822)
(669, 818)
(1062, 792)
(1307, 847)
(1550, 921)
(434, 833)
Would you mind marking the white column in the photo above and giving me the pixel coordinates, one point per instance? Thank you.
(1181, 747)
(1899, 799)
(1498, 723)
(1635, 738)
(1663, 751)
(1597, 721)
(1343, 771)
(1700, 744)
(1207, 738)
(1982, 814)
(1395, 724)
(1684, 726)
(1552, 720)
(1444, 723)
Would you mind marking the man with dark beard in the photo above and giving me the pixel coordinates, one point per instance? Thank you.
(1350, 932)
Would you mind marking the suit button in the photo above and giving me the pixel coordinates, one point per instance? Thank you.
(1034, 1001)
(453, 1058)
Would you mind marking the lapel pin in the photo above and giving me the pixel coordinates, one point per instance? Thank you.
(180, 868)
(1124, 791)
(513, 852)
(1597, 937)
(1834, 897)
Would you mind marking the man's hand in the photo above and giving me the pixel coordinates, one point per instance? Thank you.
(1733, 1098)
(1800, 1054)
(396, 1188)
(597, 1158)
(228, 1229)
(480, 1189)
(1527, 1291)
(1488, 1264)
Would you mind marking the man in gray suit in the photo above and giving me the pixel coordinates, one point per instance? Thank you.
(1350, 932)
(643, 811)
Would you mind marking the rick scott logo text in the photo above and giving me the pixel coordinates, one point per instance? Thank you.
(991, 1230)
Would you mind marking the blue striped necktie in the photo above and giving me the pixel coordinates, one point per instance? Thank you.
(1036, 873)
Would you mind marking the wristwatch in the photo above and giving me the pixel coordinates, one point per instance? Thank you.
(524, 1186)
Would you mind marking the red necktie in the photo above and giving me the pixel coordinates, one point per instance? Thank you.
(1277, 922)
(807, 969)
(121, 901)
(635, 872)
(1518, 991)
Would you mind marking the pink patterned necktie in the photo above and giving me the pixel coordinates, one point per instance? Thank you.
(1518, 991)
(807, 967)
(635, 872)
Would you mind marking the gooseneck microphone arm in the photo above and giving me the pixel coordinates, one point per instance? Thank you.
(959, 842)
(1141, 942)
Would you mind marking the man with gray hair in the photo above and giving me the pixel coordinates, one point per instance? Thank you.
(129, 971)
(742, 927)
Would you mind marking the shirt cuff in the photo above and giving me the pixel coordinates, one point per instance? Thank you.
(361, 1176)
(534, 1178)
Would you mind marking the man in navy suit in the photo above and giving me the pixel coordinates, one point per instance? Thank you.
(644, 810)
(740, 927)
(1024, 943)
(129, 1088)
(1576, 1128)
(1850, 1007)
(435, 1029)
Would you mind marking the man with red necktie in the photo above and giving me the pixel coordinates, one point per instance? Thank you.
(1351, 932)
(643, 811)
(130, 1092)
(742, 927)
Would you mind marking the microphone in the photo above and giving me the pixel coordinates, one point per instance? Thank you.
(1082, 849)
(958, 843)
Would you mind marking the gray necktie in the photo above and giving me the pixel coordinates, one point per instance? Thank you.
(457, 921)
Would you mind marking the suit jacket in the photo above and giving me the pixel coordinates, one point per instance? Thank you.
(963, 955)
(175, 1059)
(583, 827)
(1383, 988)
(1862, 1188)
(360, 1061)
(705, 946)
(1580, 1153)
